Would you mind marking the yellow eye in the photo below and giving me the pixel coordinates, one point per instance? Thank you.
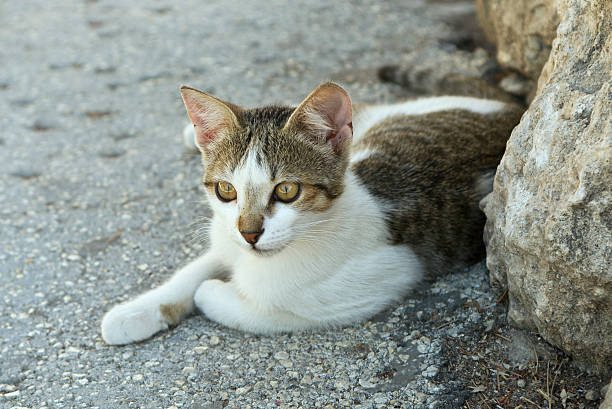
(225, 191)
(287, 191)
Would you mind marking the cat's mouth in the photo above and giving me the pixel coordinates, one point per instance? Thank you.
(264, 252)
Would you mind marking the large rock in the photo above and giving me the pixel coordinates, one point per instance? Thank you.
(522, 30)
(549, 228)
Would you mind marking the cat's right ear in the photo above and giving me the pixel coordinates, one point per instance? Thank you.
(212, 118)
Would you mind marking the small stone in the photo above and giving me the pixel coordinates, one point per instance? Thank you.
(243, 390)
(13, 394)
(286, 363)
(423, 348)
(281, 355)
(306, 380)
(604, 390)
(591, 395)
(143, 267)
(74, 257)
(83, 381)
(274, 384)
(214, 340)
(138, 377)
(189, 370)
(341, 384)
(430, 372)
(200, 350)
(521, 383)
(380, 398)
(366, 383)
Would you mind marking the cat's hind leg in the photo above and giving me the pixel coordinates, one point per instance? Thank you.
(165, 305)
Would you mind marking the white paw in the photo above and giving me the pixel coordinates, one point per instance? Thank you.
(131, 322)
(189, 138)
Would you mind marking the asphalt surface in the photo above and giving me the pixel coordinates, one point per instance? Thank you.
(99, 202)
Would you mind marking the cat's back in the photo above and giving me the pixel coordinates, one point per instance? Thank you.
(429, 162)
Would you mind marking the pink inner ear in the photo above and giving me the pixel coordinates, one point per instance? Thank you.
(335, 111)
(204, 127)
(341, 138)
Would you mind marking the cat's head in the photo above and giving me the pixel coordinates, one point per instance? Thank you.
(271, 173)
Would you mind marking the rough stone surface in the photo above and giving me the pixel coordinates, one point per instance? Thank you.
(607, 401)
(522, 31)
(549, 216)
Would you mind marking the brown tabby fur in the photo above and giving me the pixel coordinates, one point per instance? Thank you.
(427, 169)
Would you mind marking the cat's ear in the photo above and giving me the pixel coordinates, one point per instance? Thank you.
(211, 117)
(325, 116)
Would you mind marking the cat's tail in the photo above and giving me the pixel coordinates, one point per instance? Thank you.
(189, 138)
(429, 81)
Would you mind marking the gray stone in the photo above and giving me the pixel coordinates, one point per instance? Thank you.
(606, 403)
(548, 229)
(522, 31)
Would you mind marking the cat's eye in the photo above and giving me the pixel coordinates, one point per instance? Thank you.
(225, 191)
(286, 191)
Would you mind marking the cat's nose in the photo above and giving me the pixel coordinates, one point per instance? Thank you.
(251, 237)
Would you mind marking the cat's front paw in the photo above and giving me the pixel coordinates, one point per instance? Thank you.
(131, 322)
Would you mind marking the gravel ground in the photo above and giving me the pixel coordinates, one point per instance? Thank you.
(99, 201)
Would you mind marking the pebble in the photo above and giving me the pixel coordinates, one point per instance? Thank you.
(521, 383)
(200, 350)
(604, 390)
(341, 384)
(190, 370)
(13, 394)
(430, 372)
(138, 377)
(243, 390)
(591, 395)
(214, 340)
(380, 398)
(286, 363)
(281, 355)
(366, 383)
(307, 380)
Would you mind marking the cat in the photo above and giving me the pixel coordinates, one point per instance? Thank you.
(327, 213)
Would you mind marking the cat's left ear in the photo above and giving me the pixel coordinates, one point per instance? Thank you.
(325, 116)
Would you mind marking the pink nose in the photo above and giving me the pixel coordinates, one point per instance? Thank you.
(252, 238)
